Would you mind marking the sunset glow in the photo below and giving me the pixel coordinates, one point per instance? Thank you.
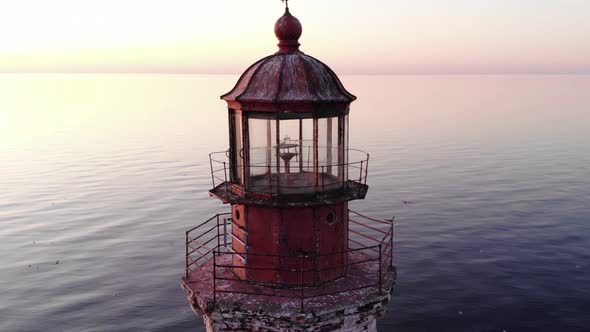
(376, 36)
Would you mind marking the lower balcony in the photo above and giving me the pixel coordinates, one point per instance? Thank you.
(212, 280)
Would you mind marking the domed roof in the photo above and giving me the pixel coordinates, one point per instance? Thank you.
(288, 79)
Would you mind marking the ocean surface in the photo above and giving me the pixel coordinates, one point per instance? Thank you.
(100, 175)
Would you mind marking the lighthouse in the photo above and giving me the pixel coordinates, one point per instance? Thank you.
(289, 255)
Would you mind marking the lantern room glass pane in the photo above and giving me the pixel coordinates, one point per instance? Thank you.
(294, 153)
(329, 154)
(262, 138)
(334, 159)
(296, 156)
(238, 151)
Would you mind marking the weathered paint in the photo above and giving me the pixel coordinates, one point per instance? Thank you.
(290, 78)
(294, 231)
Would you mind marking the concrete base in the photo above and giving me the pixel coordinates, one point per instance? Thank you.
(349, 304)
(341, 318)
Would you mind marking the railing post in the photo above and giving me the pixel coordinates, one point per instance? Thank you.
(361, 172)
(211, 165)
(186, 255)
(367, 170)
(323, 178)
(214, 278)
(278, 183)
(224, 232)
(269, 181)
(301, 280)
(360, 177)
(226, 185)
(380, 270)
(218, 241)
(391, 239)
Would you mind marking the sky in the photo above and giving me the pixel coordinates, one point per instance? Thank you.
(352, 36)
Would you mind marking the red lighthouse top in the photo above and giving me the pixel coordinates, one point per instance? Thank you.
(289, 80)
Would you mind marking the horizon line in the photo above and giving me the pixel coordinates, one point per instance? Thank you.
(347, 73)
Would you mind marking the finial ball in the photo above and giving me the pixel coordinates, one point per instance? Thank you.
(288, 29)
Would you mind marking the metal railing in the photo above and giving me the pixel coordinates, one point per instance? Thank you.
(204, 239)
(302, 178)
(370, 241)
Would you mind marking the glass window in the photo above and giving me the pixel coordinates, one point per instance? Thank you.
(262, 138)
(238, 149)
(285, 159)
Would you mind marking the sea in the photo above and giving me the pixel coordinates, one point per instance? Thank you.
(488, 178)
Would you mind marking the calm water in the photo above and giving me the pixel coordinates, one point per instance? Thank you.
(101, 175)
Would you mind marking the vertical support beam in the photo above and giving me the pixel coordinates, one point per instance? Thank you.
(380, 269)
(391, 239)
(186, 256)
(300, 156)
(226, 184)
(214, 278)
(225, 231)
(341, 147)
(361, 172)
(346, 143)
(233, 161)
(269, 172)
(218, 235)
(246, 150)
(360, 177)
(246, 219)
(212, 174)
(315, 153)
(246, 241)
(329, 145)
(366, 170)
(277, 156)
(268, 143)
(323, 178)
(346, 216)
(238, 148)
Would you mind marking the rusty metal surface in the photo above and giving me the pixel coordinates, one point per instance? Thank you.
(289, 78)
(352, 191)
(277, 237)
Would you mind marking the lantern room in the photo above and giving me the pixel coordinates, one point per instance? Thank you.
(288, 153)
(288, 121)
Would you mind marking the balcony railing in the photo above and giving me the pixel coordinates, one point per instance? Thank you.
(370, 249)
(297, 177)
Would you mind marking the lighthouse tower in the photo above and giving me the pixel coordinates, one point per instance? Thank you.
(290, 255)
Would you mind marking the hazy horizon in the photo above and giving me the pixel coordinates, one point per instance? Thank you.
(236, 73)
(225, 37)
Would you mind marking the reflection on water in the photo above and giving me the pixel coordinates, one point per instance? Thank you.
(100, 175)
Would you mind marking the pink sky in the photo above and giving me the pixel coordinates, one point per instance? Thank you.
(225, 36)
